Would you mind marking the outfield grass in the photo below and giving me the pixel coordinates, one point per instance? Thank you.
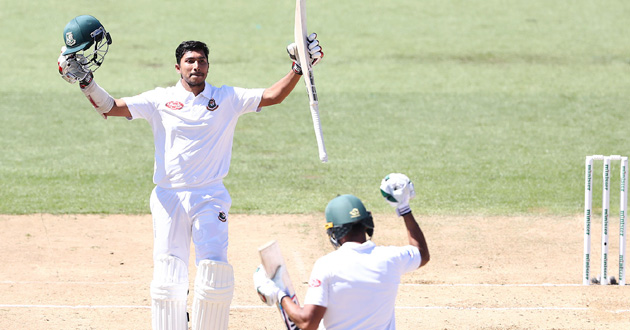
(489, 106)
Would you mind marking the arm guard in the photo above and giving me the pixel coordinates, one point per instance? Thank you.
(100, 99)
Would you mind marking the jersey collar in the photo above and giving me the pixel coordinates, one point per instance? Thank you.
(207, 90)
(358, 246)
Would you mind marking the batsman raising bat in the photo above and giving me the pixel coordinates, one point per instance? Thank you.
(193, 125)
(355, 286)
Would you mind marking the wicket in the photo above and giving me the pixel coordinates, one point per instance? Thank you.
(623, 204)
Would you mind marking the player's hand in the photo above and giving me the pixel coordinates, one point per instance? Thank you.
(73, 68)
(398, 190)
(315, 53)
(270, 291)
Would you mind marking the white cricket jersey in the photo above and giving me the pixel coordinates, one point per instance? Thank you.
(193, 134)
(358, 284)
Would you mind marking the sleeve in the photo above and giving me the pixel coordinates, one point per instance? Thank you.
(248, 99)
(143, 105)
(318, 286)
(408, 258)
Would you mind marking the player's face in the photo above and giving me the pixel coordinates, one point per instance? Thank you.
(193, 68)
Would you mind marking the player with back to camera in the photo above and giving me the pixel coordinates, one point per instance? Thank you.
(355, 286)
(193, 124)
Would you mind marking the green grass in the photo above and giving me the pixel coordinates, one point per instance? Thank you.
(489, 106)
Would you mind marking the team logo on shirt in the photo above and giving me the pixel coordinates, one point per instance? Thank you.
(222, 216)
(212, 105)
(174, 105)
(314, 283)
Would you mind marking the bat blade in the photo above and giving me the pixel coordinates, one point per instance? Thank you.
(300, 34)
(271, 258)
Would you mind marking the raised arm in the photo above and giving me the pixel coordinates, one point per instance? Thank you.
(280, 90)
(72, 69)
(416, 237)
(119, 109)
(283, 87)
(398, 190)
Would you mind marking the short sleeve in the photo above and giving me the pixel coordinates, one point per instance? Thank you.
(143, 105)
(248, 99)
(318, 286)
(409, 258)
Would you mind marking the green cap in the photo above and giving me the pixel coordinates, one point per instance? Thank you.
(81, 33)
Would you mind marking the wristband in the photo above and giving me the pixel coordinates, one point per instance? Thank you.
(403, 210)
(86, 81)
(296, 68)
(281, 295)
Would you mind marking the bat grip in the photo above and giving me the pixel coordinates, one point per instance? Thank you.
(323, 156)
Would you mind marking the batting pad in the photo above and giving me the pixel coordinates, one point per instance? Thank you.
(214, 288)
(169, 290)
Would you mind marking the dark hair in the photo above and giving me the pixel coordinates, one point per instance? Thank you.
(188, 46)
(352, 229)
(360, 228)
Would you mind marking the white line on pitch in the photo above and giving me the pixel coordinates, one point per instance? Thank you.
(271, 307)
(111, 306)
(492, 285)
(69, 282)
(618, 311)
(498, 308)
(402, 284)
(75, 306)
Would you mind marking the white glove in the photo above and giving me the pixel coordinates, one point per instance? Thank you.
(314, 50)
(271, 291)
(398, 190)
(73, 68)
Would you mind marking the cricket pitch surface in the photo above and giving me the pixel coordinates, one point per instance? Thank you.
(94, 271)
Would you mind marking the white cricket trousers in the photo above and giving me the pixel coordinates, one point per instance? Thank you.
(182, 214)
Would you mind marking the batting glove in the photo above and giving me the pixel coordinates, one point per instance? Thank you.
(398, 190)
(73, 68)
(314, 50)
(271, 291)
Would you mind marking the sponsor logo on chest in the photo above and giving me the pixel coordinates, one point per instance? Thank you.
(174, 105)
(314, 283)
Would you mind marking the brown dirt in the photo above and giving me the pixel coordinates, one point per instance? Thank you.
(93, 272)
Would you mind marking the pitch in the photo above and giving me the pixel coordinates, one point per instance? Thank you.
(92, 271)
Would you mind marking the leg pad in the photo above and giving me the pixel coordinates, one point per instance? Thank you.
(214, 288)
(169, 290)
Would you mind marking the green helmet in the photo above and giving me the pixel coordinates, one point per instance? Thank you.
(81, 33)
(342, 213)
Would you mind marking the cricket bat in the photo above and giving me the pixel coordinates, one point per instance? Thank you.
(301, 33)
(271, 258)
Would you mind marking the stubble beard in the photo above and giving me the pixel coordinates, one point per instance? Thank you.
(193, 84)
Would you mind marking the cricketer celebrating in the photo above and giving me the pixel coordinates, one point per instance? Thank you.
(355, 286)
(193, 125)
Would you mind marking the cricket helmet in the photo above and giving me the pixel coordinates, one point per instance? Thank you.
(83, 32)
(342, 213)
